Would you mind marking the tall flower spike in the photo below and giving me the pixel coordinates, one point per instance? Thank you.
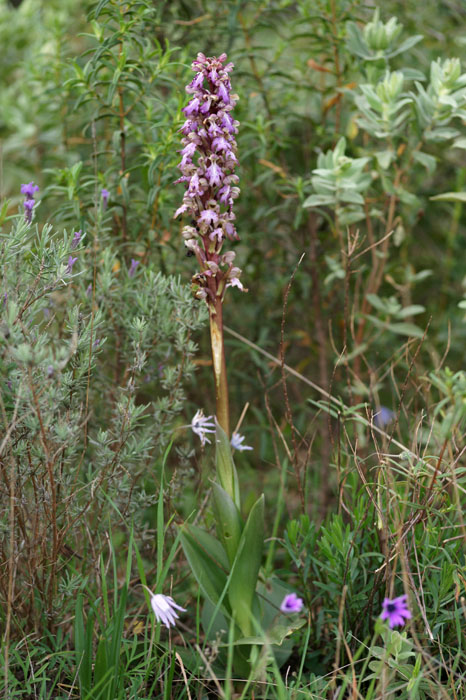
(208, 161)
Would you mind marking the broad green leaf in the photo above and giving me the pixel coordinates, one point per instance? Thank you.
(318, 200)
(275, 635)
(246, 568)
(83, 641)
(384, 158)
(411, 310)
(351, 197)
(101, 666)
(450, 197)
(387, 306)
(228, 521)
(405, 45)
(428, 161)
(207, 559)
(441, 134)
(351, 217)
(226, 470)
(409, 329)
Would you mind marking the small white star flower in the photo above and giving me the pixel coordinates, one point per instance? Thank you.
(164, 608)
(237, 443)
(201, 425)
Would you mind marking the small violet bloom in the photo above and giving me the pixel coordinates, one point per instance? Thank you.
(76, 239)
(164, 608)
(28, 205)
(132, 267)
(291, 604)
(69, 267)
(28, 190)
(105, 195)
(201, 425)
(395, 611)
(237, 443)
(383, 417)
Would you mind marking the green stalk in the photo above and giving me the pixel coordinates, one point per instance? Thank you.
(219, 364)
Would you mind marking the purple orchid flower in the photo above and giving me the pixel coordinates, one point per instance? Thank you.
(208, 160)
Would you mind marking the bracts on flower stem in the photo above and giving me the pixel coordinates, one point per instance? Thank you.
(219, 364)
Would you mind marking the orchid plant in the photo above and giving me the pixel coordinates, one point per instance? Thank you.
(227, 567)
(207, 165)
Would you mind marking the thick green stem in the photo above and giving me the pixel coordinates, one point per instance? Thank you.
(219, 364)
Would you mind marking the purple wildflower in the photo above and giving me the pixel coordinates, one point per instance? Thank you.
(214, 173)
(395, 611)
(132, 267)
(291, 604)
(208, 216)
(29, 190)
(69, 267)
(200, 425)
(89, 290)
(28, 207)
(105, 195)
(164, 608)
(76, 239)
(237, 443)
(383, 417)
(208, 160)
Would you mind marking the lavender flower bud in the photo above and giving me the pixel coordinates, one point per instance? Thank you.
(208, 160)
(69, 266)
(132, 267)
(76, 239)
(28, 190)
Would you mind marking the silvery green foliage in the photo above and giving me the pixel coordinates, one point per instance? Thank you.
(92, 384)
(378, 41)
(384, 106)
(442, 101)
(340, 181)
(402, 116)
